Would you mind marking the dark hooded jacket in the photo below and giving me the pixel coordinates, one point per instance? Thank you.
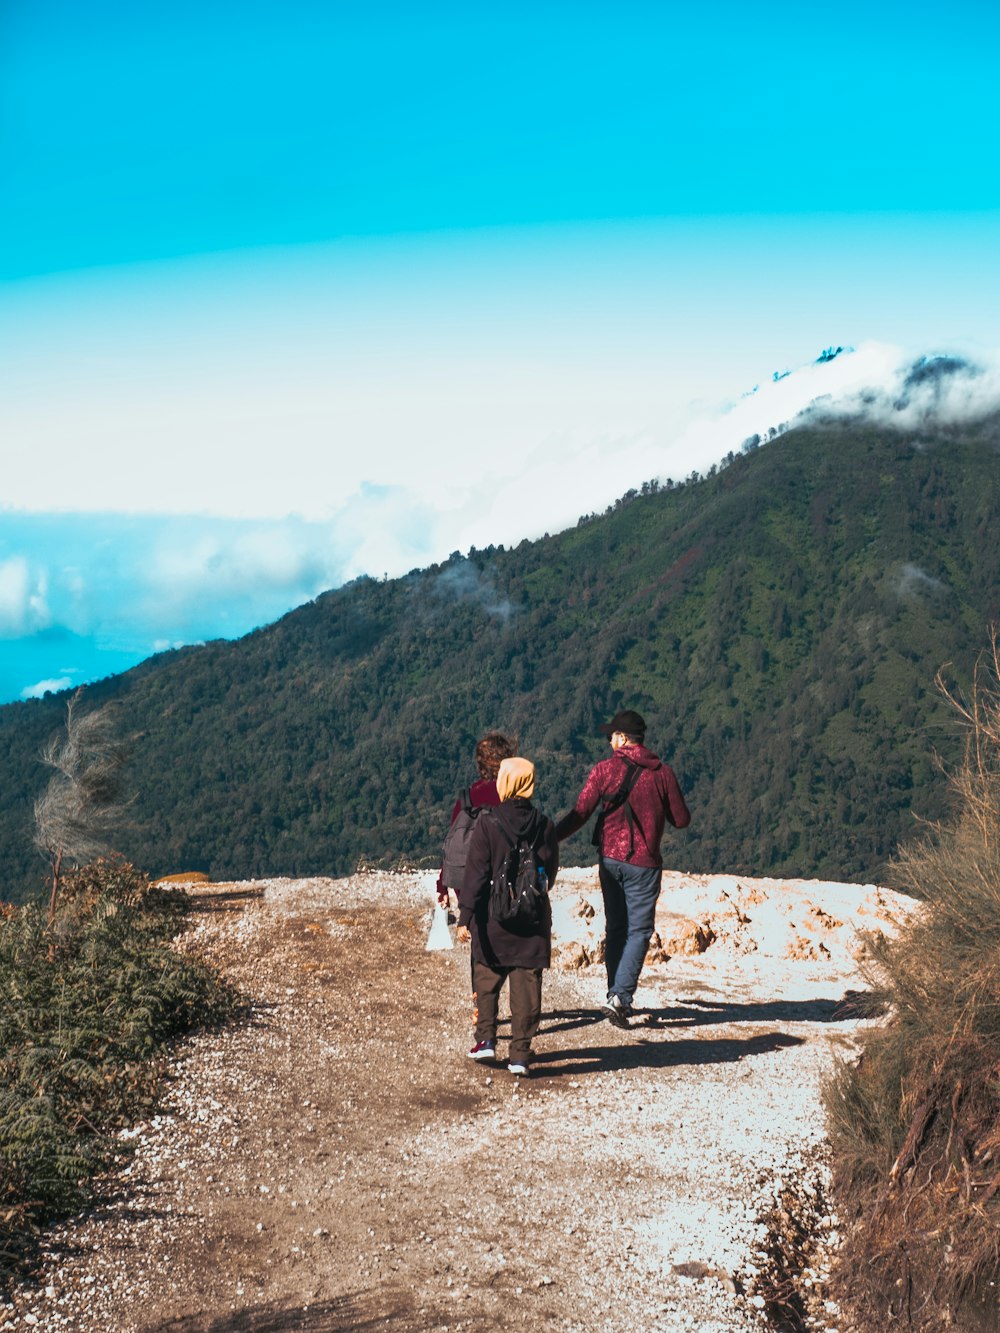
(488, 850)
(654, 799)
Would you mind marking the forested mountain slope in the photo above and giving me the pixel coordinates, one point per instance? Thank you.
(778, 622)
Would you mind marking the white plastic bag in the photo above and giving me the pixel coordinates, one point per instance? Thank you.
(440, 936)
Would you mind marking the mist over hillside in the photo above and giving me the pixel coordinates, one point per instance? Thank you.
(779, 622)
(85, 595)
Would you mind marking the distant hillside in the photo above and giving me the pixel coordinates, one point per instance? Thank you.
(778, 622)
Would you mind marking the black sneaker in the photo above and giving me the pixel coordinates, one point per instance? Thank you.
(484, 1050)
(616, 1012)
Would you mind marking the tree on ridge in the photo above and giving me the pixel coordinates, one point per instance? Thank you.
(82, 806)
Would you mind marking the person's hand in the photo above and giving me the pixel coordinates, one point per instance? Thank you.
(463, 935)
(444, 899)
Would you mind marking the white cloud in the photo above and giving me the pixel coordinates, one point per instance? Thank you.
(778, 402)
(44, 686)
(389, 530)
(949, 389)
(463, 582)
(132, 585)
(229, 559)
(911, 580)
(523, 492)
(23, 605)
(879, 382)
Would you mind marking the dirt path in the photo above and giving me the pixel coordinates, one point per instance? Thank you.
(337, 1163)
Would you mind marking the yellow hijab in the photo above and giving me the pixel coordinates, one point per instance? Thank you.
(516, 778)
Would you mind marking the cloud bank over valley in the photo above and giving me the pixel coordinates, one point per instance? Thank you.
(85, 595)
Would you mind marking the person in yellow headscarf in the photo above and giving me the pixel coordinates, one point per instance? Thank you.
(500, 953)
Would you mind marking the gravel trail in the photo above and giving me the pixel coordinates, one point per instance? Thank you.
(337, 1163)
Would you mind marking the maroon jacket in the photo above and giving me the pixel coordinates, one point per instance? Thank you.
(655, 798)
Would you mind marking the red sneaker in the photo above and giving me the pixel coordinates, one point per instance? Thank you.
(484, 1050)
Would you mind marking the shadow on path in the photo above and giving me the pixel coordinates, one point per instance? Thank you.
(345, 1314)
(226, 900)
(696, 1013)
(642, 1054)
(705, 1013)
(567, 1020)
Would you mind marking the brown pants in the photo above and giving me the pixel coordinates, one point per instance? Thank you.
(525, 995)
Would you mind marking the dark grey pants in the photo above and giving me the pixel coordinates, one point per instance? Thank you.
(525, 995)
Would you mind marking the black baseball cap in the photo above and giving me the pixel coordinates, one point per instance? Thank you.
(627, 722)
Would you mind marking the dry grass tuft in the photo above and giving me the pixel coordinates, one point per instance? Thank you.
(915, 1122)
(89, 1001)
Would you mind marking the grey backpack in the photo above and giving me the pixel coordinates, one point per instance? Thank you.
(456, 843)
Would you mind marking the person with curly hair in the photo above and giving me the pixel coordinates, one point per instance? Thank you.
(491, 751)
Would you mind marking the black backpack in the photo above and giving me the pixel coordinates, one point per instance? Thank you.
(519, 895)
(456, 843)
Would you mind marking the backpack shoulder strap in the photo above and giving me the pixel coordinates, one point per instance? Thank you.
(618, 799)
(497, 821)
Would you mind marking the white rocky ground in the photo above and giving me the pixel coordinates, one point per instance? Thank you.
(337, 1163)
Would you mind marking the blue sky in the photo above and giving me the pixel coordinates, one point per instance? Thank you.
(289, 293)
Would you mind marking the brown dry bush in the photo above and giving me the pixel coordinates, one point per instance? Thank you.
(915, 1122)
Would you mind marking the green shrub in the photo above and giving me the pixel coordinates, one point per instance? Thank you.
(915, 1122)
(87, 1004)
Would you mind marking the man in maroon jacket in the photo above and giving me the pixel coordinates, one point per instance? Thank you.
(639, 794)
